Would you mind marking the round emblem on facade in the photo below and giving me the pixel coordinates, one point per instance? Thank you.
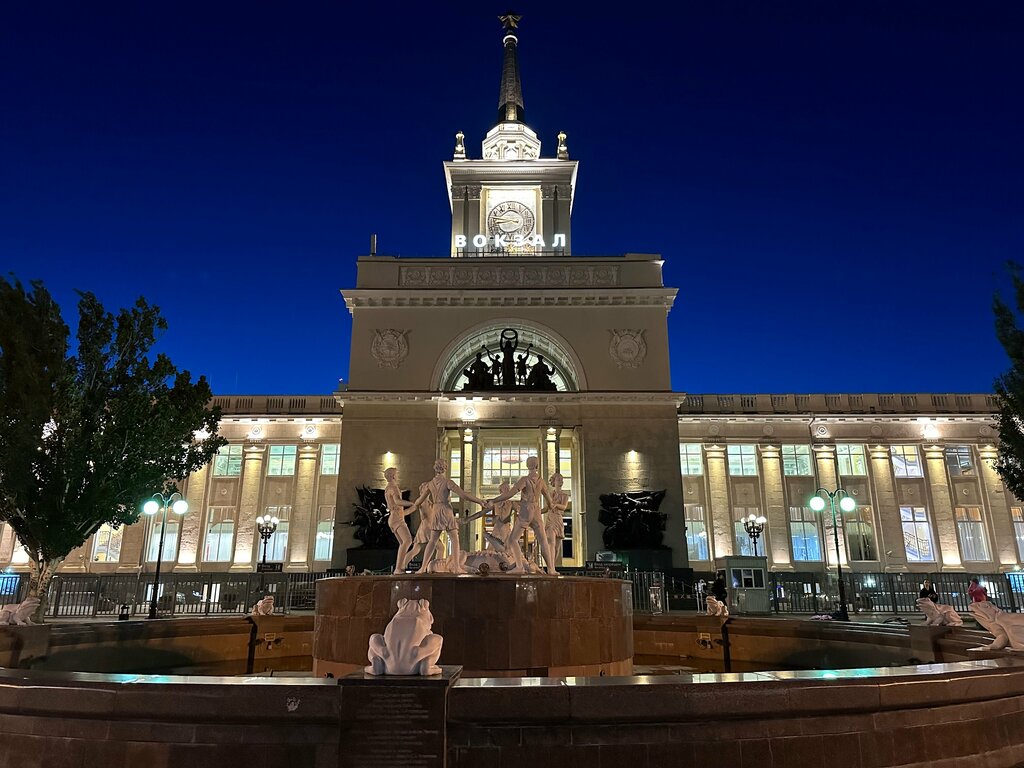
(768, 429)
(714, 429)
(389, 347)
(627, 347)
(876, 431)
(550, 411)
(985, 431)
(821, 431)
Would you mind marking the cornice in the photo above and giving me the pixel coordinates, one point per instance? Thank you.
(596, 297)
(511, 398)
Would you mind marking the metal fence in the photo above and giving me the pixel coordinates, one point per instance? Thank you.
(210, 594)
(817, 592)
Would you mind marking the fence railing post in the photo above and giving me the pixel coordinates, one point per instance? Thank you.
(891, 579)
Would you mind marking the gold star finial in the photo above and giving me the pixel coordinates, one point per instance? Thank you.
(510, 21)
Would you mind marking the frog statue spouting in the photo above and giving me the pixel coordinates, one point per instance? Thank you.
(407, 647)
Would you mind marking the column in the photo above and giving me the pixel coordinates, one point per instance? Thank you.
(192, 524)
(719, 514)
(825, 464)
(890, 528)
(248, 507)
(300, 555)
(997, 510)
(942, 508)
(777, 531)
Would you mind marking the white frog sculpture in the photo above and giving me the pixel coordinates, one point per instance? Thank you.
(264, 607)
(938, 614)
(19, 613)
(1006, 628)
(407, 647)
(716, 608)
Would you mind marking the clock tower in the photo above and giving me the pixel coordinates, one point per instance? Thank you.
(511, 201)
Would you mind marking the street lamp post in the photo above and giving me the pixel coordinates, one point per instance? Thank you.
(178, 506)
(846, 504)
(754, 526)
(266, 525)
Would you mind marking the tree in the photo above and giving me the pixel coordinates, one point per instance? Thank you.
(86, 437)
(1009, 388)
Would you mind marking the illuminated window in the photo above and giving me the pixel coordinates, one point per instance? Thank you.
(804, 534)
(691, 461)
(277, 546)
(744, 546)
(743, 460)
(506, 460)
(170, 549)
(906, 461)
(228, 461)
(329, 453)
(1017, 513)
(106, 544)
(282, 461)
(20, 555)
(860, 533)
(917, 534)
(959, 460)
(852, 460)
(970, 529)
(696, 533)
(324, 545)
(796, 460)
(565, 467)
(220, 535)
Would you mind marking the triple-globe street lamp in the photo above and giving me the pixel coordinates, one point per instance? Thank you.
(266, 525)
(846, 504)
(754, 526)
(178, 506)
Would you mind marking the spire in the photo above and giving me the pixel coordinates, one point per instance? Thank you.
(510, 97)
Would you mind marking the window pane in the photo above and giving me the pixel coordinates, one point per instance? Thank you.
(742, 460)
(218, 546)
(106, 547)
(906, 462)
(228, 461)
(804, 536)
(852, 459)
(970, 530)
(691, 459)
(860, 537)
(959, 460)
(170, 548)
(696, 533)
(282, 460)
(796, 460)
(917, 535)
(329, 453)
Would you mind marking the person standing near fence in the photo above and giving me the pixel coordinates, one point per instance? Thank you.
(718, 590)
(927, 590)
(977, 593)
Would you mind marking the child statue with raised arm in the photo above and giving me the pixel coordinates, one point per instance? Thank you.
(530, 488)
(439, 491)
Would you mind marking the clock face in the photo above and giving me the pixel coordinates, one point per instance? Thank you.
(510, 218)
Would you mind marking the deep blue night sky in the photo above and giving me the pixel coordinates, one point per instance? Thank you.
(835, 187)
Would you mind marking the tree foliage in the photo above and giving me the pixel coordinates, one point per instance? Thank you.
(1009, 387)
(86, 437)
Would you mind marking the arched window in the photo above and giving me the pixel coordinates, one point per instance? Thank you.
(532, 344)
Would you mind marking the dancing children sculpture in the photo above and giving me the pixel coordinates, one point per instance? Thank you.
(398, 508)
(423, 531)
(439, 490)
(497, 537)
(554, 526)
(530, 488)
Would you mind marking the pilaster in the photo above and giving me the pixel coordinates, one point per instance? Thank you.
(828, 478)
(892, 551)
(299, 552)
(777, 534)
(998, 505)
(719, 512)
(942, 508)
(248, 507)
(192, 524)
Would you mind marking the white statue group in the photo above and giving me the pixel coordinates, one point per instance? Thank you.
(502, 541)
